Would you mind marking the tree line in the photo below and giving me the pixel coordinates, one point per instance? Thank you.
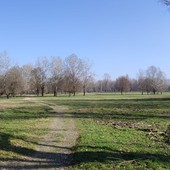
(152, 81)
(46, 76)
(70, 75)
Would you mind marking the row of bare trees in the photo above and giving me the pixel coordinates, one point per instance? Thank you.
(152, 80)
(71, 75)
(46, 76)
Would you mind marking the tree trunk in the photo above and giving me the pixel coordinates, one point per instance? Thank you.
(55, 91)
(84, 90)
(37, 91)
(42, 91)
(74, 90)
(7, 96)
(121, 92)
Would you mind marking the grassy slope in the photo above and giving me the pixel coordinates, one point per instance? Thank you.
(120, 131)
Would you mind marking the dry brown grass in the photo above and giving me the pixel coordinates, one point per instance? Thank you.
(14, 103)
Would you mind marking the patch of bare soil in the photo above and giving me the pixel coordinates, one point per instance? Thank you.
(119, 124)
(151, 131)
(54, 149)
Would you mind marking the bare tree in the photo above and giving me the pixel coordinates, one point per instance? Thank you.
(91, 85)
(43, 67)
(4, 66)
(168, 84)
(152, 80)
(134, 85)
(35, 80)
(57, 74)
(26, 74)
(1, 85)
(106, 82)
(87, 75)
(13, 82)
(4, 62)
(157, 79)
(99, 86)
(122, 84)
(141, 81)
(73, 73)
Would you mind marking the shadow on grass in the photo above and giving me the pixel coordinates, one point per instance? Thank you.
(123, 104)
(114, 156)
(36, 159)
(25, 113)
(46, 160)
(20, 115)
(84, 115)
(116, 116)
(32, 159)
(107, 155)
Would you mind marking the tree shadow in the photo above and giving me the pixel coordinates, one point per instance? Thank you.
(123, 109)
(111, 102)
(45, 160)
(30, 158)
(104, 157)
(24, 113)
(109, 116)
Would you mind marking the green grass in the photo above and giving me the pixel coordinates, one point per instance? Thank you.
(21, 126)
(115, 131)
(120, 131)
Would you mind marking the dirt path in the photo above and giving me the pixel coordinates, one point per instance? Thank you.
(59, 141)
(54, 149)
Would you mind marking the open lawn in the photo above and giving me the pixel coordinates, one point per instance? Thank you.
(115, 131)
(22, 124)
(120, 131)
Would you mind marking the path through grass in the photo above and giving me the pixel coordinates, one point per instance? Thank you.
(120, 133)
(115, 131)
(35, 135)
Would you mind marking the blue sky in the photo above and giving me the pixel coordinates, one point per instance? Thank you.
(118, 36)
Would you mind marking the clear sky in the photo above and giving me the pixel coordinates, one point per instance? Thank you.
(118, 36)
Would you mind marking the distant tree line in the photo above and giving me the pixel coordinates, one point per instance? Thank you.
(151, 81)
(71, 75)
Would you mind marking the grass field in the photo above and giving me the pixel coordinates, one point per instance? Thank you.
(120, 131)
(115, 131)
(21, 125)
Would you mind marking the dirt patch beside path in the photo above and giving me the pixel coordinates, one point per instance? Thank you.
(54, 149)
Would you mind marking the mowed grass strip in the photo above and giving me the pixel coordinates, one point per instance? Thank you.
(22, 124)
(120, 133)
